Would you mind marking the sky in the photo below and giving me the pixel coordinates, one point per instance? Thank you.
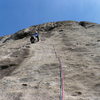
(19, 14)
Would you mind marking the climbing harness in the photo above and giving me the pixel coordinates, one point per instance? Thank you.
(61, 76)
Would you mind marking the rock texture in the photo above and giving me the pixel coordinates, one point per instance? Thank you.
(31, 71)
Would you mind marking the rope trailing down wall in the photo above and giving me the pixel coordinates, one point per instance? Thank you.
(61, 75)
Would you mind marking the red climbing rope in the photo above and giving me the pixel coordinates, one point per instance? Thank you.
(61, 76)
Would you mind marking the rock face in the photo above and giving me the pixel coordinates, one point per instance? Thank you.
(31, 71)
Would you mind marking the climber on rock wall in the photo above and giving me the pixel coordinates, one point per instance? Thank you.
(34, 37)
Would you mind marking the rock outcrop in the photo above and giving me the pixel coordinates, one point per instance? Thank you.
(31, 71)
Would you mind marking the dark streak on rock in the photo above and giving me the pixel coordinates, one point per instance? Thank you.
(7, 66)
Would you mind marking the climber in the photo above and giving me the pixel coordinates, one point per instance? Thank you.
(36, 34)
(34, 37)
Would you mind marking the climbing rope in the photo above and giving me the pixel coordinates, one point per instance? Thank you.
(61, 76)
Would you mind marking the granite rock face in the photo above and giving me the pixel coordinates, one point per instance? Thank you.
(31, 71)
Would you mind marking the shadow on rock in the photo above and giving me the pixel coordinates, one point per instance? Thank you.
(8, 65)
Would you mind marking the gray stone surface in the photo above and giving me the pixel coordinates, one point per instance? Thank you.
(31, 71)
